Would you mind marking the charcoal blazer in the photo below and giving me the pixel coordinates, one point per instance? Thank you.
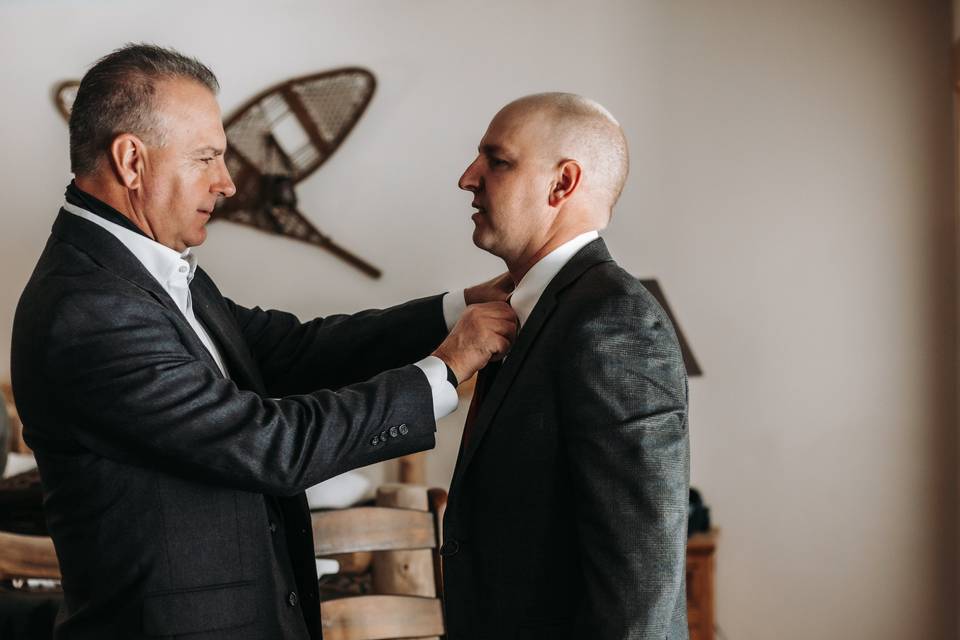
(567, 509)
(174, 496)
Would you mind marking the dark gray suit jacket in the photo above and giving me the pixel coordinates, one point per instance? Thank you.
(174, 496)
(567, 513)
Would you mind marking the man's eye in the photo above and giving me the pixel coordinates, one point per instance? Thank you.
(206, 160)
(497, 162)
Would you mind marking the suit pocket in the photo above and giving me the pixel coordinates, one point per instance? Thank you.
(223, 606)
(202, 532)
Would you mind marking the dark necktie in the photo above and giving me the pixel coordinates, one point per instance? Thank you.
(484, 381)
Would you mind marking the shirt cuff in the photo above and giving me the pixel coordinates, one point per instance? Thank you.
(445, 398)
(454, 304)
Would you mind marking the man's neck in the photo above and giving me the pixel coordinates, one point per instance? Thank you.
(115, 197)
(519, 267)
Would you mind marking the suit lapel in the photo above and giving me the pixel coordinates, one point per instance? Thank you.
(107, 251)
(210, 310)
(111, 254)
(591, 254)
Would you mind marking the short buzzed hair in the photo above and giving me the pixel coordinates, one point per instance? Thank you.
(118, 95)
(587, 127)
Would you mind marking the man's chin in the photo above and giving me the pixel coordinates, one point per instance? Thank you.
(484, 241)
(479, 239)
(196, 238)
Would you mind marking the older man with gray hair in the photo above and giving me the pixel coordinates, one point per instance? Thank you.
(568, 506)
(175, 430)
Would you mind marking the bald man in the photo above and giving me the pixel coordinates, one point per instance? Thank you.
(567, 513)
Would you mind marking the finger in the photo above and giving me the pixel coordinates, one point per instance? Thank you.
(503, 310)
(495, 307)
(502, 349)
(506, 327)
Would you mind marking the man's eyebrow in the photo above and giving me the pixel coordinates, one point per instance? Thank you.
(210, 151)
(490, 149)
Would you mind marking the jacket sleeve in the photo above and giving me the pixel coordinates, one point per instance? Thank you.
(624, 427)
(129, 390)
(330, 352)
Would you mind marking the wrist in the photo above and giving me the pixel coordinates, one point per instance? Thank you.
(451, 376)
(453, 366)
(470, 296)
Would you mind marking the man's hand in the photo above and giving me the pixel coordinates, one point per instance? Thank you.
(495, 290)
(484, 332)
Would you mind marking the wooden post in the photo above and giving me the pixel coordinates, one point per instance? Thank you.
(17, 445)
(413, 469)
(956, 65)
(700, 584)
(404, 572)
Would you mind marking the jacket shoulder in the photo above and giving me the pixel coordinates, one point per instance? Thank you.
(65, 276)
(608, 280)
(606, 293)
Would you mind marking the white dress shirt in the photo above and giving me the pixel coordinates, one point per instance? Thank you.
(530, 288)
(174, 271)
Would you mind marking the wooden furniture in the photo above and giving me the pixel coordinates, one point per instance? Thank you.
(17, 445)
(27, 557)
(402, 534)
(412, 469)
(28, 608)
(700, 581)
(397, 541)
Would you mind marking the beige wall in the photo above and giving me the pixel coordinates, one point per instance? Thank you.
(792, 189)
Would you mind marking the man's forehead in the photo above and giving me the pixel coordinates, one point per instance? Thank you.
(189, 111)
(514, 128)
(183, 98)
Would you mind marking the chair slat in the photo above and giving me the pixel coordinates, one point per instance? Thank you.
(27, 557)
(371, 529)
(381, 617)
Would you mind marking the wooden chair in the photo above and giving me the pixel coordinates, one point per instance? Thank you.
(28, 609)
(399, 541)
(23, 557)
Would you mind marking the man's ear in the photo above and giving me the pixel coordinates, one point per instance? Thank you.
(127, 159)
(567, 182)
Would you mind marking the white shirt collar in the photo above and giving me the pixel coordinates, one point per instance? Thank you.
(168, 267)
(531, 286)
(172, 269)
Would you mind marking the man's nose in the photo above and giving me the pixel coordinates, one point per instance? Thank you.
(224, 186)
(468, 181)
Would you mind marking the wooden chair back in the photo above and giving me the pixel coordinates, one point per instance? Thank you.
(399, 541)
(27, 557)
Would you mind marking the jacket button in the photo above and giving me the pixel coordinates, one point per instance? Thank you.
(394, 432)
(375, 440)
(383, 436)
(449, 548)
(404, 429)
(292, 599)
(273, 527)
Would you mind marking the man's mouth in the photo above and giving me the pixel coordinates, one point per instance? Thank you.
(479, 209)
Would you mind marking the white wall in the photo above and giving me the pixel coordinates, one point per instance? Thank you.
(791, 189)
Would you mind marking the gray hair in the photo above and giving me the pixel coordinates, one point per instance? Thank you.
(118, 95)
